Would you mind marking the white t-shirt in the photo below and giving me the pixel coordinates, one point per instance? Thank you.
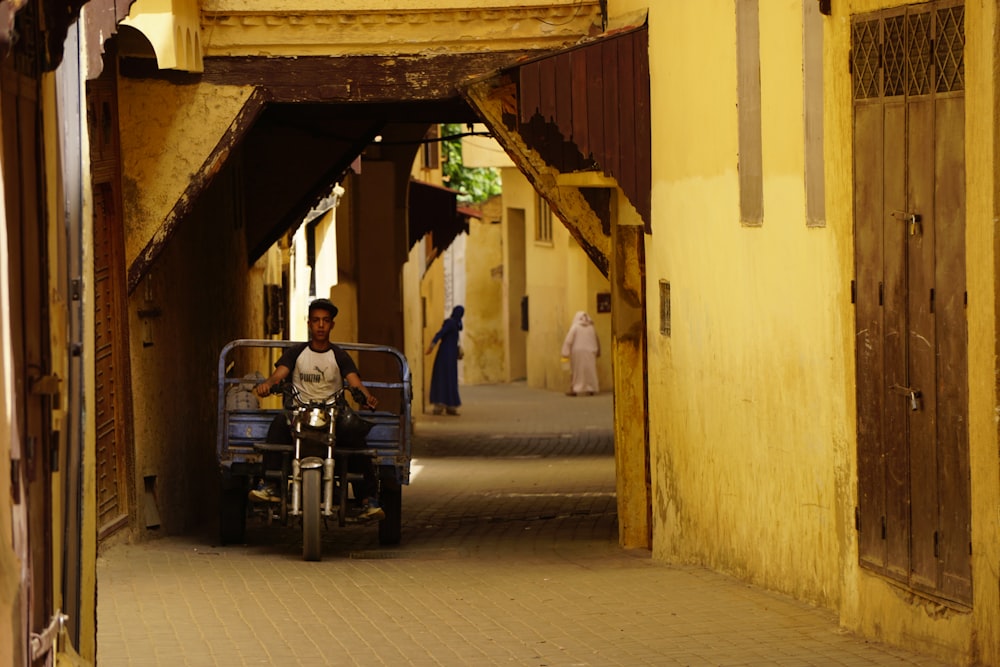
(317, 375)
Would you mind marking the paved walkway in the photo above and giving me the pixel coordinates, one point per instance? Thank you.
(509, 556)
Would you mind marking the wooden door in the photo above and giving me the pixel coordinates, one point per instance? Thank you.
(910, 297)
(27, 283)
(111, 364)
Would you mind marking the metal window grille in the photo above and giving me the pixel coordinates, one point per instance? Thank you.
(913, 53)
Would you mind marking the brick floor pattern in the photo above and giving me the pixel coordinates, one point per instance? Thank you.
(509, 557)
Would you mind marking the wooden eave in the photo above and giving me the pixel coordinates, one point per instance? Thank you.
(566, 112)
(597, 95)
(433, 209)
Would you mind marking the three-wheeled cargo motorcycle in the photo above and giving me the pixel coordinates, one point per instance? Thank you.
(313, 475)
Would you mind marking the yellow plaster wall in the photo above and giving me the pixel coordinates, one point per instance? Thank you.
(168, 132)
(483, 333)
(982, 122)
(749, 389)
(751, 414)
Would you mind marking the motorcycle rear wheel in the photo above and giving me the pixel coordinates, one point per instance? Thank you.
(311, 482)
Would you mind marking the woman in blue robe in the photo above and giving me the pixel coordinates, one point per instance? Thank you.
(444, 377)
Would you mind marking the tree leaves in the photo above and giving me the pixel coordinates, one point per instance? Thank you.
(474, 184)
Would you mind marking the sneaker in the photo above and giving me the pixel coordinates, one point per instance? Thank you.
(265, 493)
(372, 511)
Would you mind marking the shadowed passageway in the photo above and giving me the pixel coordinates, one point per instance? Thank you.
(509, 556)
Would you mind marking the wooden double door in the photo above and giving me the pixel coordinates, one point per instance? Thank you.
(913, 513)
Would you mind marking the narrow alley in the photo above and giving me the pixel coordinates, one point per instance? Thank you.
(509, 555)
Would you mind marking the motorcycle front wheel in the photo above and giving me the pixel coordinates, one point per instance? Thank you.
(311, 483)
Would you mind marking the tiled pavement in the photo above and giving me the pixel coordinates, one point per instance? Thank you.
(509, 556)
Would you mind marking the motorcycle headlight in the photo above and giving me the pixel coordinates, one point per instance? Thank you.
(317, 418)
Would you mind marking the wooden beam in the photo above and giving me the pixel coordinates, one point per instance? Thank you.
(494, 100)
(365, 79)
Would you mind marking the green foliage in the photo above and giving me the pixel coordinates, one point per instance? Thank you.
(474, 184)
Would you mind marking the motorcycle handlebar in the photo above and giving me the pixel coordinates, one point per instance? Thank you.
(293, 393)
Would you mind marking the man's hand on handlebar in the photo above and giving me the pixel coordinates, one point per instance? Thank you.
(266, 388)
(362, 399)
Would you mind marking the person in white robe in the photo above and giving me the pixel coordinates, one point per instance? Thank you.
(582, 348)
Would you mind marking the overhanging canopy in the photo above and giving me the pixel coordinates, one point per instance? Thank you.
(597, 94)
(434, 209)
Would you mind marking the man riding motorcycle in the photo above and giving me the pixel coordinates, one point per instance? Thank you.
(318, 369)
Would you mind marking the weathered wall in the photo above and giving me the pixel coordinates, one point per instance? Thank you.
(482, 338)
(746, 409)
(982, 53)
(167, 134)
(207, 296)
(751, 396)
(484, 343)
